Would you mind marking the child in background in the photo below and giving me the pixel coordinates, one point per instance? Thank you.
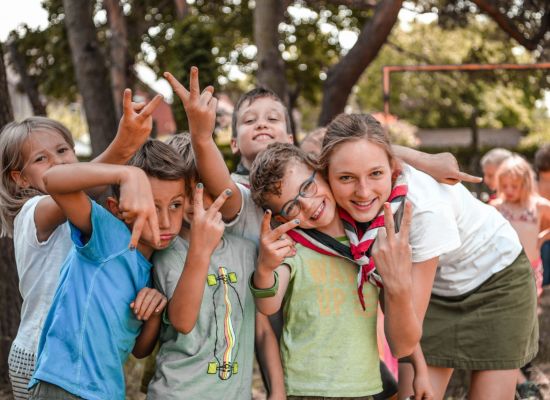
(103, 307)
(207, 341)
(489, 164)
(41, 236)
(518, 201)
(542, 169)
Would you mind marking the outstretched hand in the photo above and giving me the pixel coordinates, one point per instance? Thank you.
(391, 251)
(207, 226)
(200, 107)
(137, 120)
(275, 245)
(446, 170)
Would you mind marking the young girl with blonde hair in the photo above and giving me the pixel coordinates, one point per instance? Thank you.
(37, 224)
(518, 201)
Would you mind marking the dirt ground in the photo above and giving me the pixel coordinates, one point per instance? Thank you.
(457, 389)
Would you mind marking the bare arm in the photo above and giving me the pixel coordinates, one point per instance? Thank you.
(392, 255)
(133, 130)
(66, 184)
(269, 357)
(148, 307)
(206, 232)
(201, 113)
(443, 167)
(275, 246)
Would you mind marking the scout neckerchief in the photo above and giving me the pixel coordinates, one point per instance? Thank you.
(361, 237)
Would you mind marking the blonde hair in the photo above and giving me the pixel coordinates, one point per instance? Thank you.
(12, 139)
(495, 157)
(515, 166)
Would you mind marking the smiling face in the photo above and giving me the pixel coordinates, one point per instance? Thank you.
(41, 151)
(169, 200)
(360, 175)
(317, 210)
(260, 122)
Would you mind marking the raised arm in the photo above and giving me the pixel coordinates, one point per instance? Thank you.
(206, 231)
(201, 114)
(133, 130)
(392, 256)
(271, 272)
(443, 167)
(66, 184)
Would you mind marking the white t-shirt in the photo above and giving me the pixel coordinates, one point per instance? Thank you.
(38, 266)
(249, 220)
(472, 240)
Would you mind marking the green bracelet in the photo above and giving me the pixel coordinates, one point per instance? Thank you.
(263, 293)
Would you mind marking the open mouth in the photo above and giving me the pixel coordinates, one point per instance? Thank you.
(363, 205)
(318, 212)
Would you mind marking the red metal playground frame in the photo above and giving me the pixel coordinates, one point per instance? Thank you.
(388, 69)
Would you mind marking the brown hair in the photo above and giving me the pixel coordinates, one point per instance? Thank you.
(157, 160)
(181, 142)
(12, 139)
(516, 166)
(542, 159)
(251, 96)
(350, 127)
(269, 167)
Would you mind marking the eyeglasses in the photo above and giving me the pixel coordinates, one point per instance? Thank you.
(307, 189)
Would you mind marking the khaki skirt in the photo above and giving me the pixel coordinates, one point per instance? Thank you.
(493, 327)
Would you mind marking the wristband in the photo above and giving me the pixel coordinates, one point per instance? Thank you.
(263, 293)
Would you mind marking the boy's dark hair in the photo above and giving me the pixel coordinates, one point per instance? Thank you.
(157, 160)
(254, 94)
(542, 159)
(181, 142)
(269, 167)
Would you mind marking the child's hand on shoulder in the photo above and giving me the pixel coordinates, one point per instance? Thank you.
(148, 303)
(207, 226)
(199, 107)
(275, 245)
(137, 121)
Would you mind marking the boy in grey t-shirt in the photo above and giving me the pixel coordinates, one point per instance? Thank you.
(207, 336)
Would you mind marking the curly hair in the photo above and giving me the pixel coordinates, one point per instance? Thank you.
(269, 168)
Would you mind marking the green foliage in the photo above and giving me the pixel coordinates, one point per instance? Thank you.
(429, 100)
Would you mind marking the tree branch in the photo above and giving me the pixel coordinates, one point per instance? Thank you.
(508, 26)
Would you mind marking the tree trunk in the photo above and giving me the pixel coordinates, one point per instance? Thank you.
(271, 68)
(91, 74)
(182, 9)
(10, 300)
(118, 46)
(28, 82)
(343, 76)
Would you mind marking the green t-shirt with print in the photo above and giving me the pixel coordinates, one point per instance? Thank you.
(215, 359)
(328, 345)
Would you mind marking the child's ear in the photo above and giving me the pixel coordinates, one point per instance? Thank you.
(112, 206)
(19, 179)
(290, 138)
(234, 146)
(279, 219)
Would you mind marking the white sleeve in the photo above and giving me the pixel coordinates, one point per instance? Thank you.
(248, 221)
(434, 231)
